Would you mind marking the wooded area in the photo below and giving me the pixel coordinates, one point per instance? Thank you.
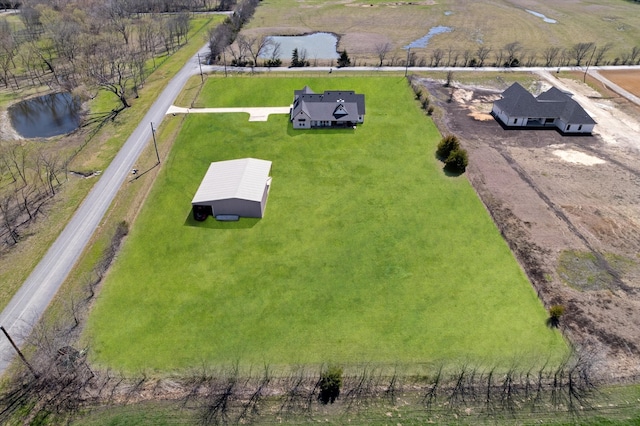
(77, 47)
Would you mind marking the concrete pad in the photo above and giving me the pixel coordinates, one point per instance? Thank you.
(255, 113)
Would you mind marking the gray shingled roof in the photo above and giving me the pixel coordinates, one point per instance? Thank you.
(518, 102)
(244, 178)
(332, 105)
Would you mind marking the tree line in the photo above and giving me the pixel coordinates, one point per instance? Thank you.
(512, 54)
(247, 50)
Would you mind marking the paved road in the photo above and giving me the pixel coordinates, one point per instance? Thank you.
(30, 302)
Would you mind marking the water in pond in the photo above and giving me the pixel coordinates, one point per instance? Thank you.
(540, 15)
(46, 116)
(317, 46)
(423, 41)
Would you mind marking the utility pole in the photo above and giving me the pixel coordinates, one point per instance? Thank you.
(224, 56)
(19, 353)
(406, 68)
(200, 64)
(584, 78)
(155, 145)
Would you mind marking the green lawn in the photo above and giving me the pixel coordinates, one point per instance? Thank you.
(367, 252)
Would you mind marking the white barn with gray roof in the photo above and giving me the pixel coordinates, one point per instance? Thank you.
(233, 188)
(553, 108)
(333, 108)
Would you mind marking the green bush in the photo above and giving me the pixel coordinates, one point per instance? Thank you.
(555, 312)
(457, 160)
(330, 383)
(446, 145)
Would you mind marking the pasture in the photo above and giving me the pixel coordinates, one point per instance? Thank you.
(368, 252)
(363, 25)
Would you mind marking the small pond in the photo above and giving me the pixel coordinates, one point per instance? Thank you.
(46, 116)
(424, 41)
(317, 45)
(540, 15)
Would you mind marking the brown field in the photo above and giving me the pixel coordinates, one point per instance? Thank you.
(629, 80)
(362, 25)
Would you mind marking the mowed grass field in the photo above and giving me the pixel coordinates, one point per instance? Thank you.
(368, 252)
(364, 24)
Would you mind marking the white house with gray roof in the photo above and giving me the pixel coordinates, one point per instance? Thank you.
(333, 108)
(553, 108)
(233, 188)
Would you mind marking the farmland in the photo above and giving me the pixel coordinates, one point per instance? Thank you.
(368, 252)
(364, 25)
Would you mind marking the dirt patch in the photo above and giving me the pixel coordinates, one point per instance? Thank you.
(567, 206)
(629, 80)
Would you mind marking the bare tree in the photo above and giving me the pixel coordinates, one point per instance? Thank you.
(436, 57)
(483, 54)
(513, 49)
(148, 35)
(238, 52)
(498, 55)
(382, 49)
(550, 54)
(10, 214)
(531, 58)
(633, 55)
(219, 38)
(452, 57)
(109, 69)
(600, 52)
(255, 46)
(115, 12)
(466, 58)
(580, 50)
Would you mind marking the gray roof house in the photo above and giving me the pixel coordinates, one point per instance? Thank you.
(333, 108)
(232, 189)
(553, 108)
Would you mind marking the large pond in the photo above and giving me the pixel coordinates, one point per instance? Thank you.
(317, 46)
(424, 41)
(46, 116)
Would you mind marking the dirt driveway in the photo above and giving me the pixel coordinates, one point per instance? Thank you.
(569, 207)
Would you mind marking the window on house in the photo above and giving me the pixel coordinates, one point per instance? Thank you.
(515, 120)
(302, 119)
(568, 126)
(580, 127)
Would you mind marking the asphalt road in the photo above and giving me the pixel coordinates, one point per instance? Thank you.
(30, 302)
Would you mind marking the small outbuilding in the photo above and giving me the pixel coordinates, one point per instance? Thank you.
(232, 189)
(553, 108)
(333, 108)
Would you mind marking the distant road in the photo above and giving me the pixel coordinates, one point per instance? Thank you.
(30, 302)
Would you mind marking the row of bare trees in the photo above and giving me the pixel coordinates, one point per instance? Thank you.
(512, 55)
(223, 36)
(29, 177)
(62, 382)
